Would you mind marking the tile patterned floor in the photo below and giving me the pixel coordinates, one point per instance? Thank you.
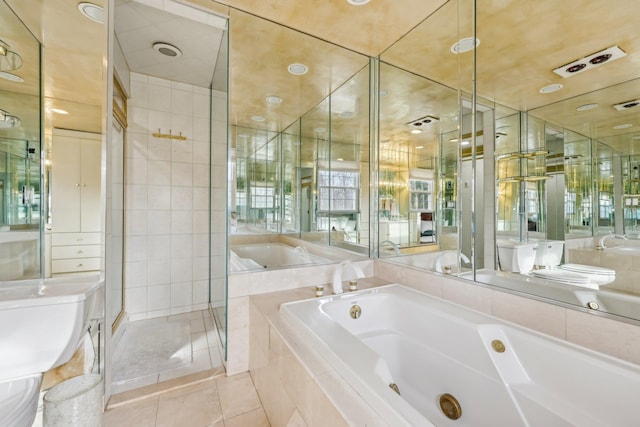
(210, 402)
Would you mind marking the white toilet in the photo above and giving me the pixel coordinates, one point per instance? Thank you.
(549, 254)
(516, 257)
(42, 323)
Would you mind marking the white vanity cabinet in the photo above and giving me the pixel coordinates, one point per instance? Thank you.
(75, 201)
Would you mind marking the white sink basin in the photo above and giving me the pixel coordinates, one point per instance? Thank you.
(42, 322)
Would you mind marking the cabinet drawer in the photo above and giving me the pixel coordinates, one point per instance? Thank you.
(67, 239)
(75, 264)
(80, 251)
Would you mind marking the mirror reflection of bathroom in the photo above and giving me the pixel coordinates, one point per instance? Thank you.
(297, 191)
(21, 192)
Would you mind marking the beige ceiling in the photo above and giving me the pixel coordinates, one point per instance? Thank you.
(520, 43)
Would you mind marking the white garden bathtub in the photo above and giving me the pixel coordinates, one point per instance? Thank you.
(271, 255)
(429, 347)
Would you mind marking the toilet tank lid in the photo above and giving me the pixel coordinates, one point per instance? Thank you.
(515, 244)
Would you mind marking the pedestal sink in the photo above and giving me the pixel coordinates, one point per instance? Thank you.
(41, 325)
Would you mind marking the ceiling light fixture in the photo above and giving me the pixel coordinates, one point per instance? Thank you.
(92, 11)
(623, 126)
(551, 88)
(416, 131)
(465, 45)
(627, 105)
(8, 120)
(357, 2)
(257, 118)
(419, 147)
(298, 69)
(11, 77)
(273, 99)
(587, 107)
(167, 49)
(591, 61)
(9, 61)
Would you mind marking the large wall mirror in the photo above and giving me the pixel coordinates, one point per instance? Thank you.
(538, 194)
(299, 144)
(21, 191)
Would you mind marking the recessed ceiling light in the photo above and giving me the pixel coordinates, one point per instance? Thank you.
(11, 77)
(58, 111)
(465, 45)
(551, 88)
(340, 159)
(257, 118)
(419, 147)
(273, 99)
(587, 107)
(298, 69)
(358, 2)
(623, 126)
(416, 131)
(167, 49)
(92, 11)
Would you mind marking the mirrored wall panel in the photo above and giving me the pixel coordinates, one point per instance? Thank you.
(21, 187)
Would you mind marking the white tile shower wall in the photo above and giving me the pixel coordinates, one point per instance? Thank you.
(167, 193)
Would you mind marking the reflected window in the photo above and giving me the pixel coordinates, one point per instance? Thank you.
(338, 191)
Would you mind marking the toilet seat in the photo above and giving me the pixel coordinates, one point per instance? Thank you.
(600, 275)
(566, 277)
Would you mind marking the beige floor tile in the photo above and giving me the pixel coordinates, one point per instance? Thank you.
(255, 418)
(196, 406)
(237, 395)
(141, 414)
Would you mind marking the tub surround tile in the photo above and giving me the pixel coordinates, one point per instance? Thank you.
(468, 294)
(621, 340)
(546, 318)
